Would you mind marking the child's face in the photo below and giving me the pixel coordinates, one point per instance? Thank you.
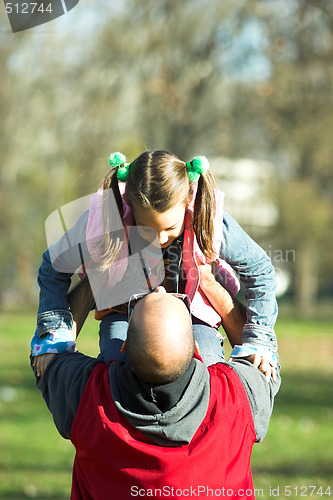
(167, 225)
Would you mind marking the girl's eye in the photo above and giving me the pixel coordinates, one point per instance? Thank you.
(173, 227)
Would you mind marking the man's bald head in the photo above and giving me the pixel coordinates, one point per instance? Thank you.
(160, 340)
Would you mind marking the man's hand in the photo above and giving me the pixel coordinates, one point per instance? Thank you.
(232, 312)
(41, 362)
(216, 294)
(206, 276)
(263, 364)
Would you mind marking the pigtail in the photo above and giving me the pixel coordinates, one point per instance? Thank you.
(111, 182)
(204, 205)
(111, 244)
(204, 214)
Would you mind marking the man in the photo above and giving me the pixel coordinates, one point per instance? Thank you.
(159, 424)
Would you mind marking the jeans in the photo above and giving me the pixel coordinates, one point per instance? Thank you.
(113, 332)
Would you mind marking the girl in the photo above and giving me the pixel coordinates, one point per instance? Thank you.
(176, 204)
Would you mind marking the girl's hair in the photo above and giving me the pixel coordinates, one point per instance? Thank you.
(158, 180)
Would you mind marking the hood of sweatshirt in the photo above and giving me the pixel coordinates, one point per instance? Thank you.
(167, 414)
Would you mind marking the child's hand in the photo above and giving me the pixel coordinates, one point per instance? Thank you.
(264, 366)
(41, 362)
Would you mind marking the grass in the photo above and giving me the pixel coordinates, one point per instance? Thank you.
(297, 453)
(298, 450)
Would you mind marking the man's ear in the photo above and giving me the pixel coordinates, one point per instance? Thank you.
(196, 347)
(124, 347)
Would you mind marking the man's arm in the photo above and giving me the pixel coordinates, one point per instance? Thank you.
(260, 393)
(81, 300)
(233, 317)
(231, 310)
(62, 385)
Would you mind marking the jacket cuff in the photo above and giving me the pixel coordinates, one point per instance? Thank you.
(54, 342)
(242, 351)
(260, 336)
(52, 321)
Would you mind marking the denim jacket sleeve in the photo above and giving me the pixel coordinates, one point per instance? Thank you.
(59, 263)
(256, 273)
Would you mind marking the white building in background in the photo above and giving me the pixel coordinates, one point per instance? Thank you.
(247, 185)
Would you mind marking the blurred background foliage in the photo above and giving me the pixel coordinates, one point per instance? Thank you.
(247, 79)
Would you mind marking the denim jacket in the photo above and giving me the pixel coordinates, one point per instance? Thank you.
(250, 262)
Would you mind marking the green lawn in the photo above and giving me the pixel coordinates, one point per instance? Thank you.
(295, 459)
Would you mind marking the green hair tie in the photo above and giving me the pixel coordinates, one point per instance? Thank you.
(119, 160)
(196, 167)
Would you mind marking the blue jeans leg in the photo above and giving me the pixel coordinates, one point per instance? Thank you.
(112, 333)
(210, 343)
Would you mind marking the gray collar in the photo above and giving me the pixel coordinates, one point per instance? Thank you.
(168, 414)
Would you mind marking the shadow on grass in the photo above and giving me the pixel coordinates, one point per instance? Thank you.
(300, 435)
(312, 470)
(13, 495)
(42, 467)
(305, 393)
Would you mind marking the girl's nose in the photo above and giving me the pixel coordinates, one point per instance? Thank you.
(163, 237)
